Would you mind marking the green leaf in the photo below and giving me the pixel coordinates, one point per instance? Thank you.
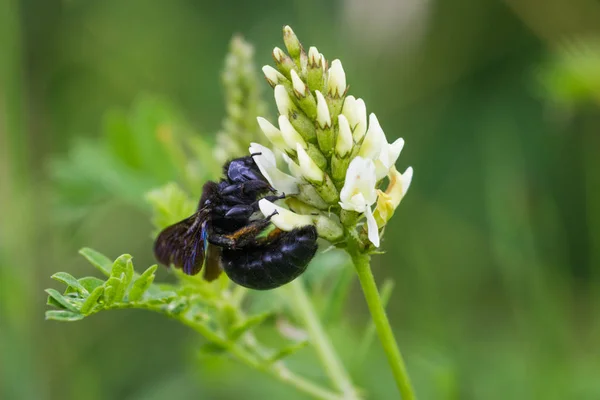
(123, 269)
(287, 351)
(92, 300)
(63, 315)
(111, 287)
(239, 329)
(98, 260)
(90, 283)
(70, 281)
(141, 284)
(60, 300)
(120, 290)
(211, 349)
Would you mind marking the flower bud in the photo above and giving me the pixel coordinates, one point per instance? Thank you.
(315, 69)
(309, 195)
(272, 76)
(283, 62)
(309, 168)
(299, 86)
(292, 43)
(283, 101)
(291, 137)
(356, 113)
(273, 134)
(323, 118)
(344, 142)
(336, 82)
(285, 220)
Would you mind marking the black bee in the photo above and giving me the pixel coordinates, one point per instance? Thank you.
(223, 235)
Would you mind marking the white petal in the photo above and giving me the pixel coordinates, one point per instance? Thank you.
(361, 122)
(283, 101)
(374, 140)
(278, 54)
(406, 180)
(267, 165)
(290, 135)
(292, 166)
(309, 168)
(323, 117)
(344, 140)
(285, 219)
(359, 186)
(391, 153)
(372, 230)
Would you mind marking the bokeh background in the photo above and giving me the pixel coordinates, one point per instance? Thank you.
(495, 251)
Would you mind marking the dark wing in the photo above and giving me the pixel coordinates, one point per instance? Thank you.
(212, 267)
(184, 243)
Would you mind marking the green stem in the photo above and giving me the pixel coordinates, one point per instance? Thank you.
(323, 346)
(382, 324)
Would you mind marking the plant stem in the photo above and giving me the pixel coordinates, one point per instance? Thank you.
(362, 263)
(323, 346)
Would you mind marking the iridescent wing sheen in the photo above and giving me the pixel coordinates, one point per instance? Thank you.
(183, 244)
(212, 265)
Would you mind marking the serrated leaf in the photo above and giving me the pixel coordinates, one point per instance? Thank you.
(239, 329)
(141, 284)
(90, 283)
(63, 315)
(92, 300)
(70, 281)
(61, 300)
(98, 260)
(287, 351)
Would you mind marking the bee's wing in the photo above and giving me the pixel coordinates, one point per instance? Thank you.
(184, 243)
(212, 267)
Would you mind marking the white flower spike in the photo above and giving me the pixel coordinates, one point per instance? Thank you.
(297, 83)
(285, 219)
(267, 165)
(273, 76)
(374, 140)
(344, 142)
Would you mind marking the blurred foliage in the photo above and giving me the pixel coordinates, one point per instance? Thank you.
(494, 253)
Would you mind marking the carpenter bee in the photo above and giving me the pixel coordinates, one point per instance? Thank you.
(224, 234)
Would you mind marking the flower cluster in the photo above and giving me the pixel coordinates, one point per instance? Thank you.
(336, 162)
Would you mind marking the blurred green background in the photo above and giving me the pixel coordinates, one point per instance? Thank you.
(495, 251)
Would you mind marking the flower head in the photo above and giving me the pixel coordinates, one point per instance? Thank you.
(335, 159)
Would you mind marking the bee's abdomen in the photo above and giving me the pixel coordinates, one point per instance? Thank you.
(275, 264)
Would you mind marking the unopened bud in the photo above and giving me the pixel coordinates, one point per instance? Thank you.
(344, 142)
(309, 168)
(336, 82)
(299, 86)
(291, 137)
(283, 62)
(292, 43)
(323, 118)
(273, 134)
(273, 76)
(283, 101)
(315, 75)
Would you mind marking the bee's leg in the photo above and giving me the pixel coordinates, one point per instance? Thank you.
(246, 236)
